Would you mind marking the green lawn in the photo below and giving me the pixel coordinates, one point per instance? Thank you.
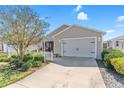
(31, 63)
(8, 76)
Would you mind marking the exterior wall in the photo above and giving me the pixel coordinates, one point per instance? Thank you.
(113, 44)
(77, 32)
(109, 44)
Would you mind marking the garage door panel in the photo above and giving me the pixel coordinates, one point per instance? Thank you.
(79, 47)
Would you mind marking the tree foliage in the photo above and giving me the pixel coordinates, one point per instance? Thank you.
(21, 27)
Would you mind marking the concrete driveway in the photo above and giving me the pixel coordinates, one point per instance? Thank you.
(66, 72)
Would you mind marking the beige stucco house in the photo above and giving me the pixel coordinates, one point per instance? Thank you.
(75, 41)
(116, 43)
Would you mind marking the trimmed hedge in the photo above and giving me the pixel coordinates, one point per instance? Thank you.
(26, 66)
(38, 57)
(118, 64)
(16, 63)
(27, 57)
(4, 57)
(36, 63)
(3, 54)
(14, 56)
(30, 60)
(109, 54)
(107, 51)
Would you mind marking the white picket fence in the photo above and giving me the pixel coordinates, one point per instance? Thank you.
(48, 56)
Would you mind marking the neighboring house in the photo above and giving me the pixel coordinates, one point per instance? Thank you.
(7, 49)
(105, 44)
(116, 43)
(10, 50)
(35, 48)
(1, 47)
(75, 41)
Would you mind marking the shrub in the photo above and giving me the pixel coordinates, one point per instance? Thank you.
(38, 57)
(118, 64)
(107, 51)
(27, 57)
(36, 63)
(3, 54)
(113, 54)
(15, 62)
(108, 54)
(4, 59)
(26, 66)
(15, 56)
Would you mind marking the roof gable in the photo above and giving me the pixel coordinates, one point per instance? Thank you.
(63, 28)
(91, 29)
(118, 38)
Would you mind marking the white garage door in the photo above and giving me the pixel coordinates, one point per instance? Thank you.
(79, 47)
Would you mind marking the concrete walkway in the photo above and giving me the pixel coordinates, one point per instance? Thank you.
(67, 72)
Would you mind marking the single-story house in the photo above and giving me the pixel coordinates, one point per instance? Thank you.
(116, 43)
(75, 41)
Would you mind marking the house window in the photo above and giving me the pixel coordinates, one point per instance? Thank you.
(117, 43)
(49, 46)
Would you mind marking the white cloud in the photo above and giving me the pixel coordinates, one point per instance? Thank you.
(82, 16)
(120, 25)
(78, 8)
(110, 31)
(120, 18)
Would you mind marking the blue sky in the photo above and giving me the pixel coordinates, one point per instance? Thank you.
(109, 19)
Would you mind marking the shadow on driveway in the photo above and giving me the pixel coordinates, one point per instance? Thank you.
(75, 62)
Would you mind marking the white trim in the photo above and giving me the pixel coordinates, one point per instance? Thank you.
(61, 31)
(76, 38)
(96, 47)
(79, 38)
(60, 41)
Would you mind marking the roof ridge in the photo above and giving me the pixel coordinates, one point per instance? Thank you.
(116, 37)
(56, 30)
(93, 29)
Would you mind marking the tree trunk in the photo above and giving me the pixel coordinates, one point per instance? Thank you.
(21, 52)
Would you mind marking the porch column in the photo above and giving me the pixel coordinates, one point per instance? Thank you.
(44, 49)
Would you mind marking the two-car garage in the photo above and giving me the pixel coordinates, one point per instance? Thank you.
(79, 47)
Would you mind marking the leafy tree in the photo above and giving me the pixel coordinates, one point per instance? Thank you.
(21, 27)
